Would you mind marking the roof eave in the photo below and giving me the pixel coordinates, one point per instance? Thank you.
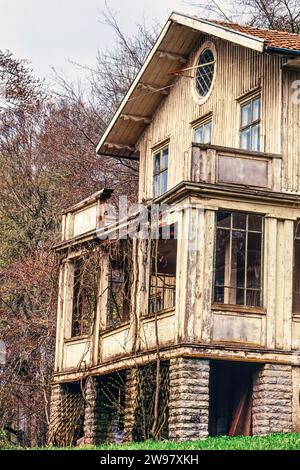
(203, 26)
(134, 84)
(282, 51)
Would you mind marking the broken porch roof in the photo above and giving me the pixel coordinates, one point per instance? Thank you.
(171, 52)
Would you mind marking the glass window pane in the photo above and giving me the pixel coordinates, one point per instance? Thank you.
(156, 186)
(245, 139)
(240, 296)
(255, 139)
(256, 109)
(297, 229)
(238, 251)
(237, 274)
(296, 277)
(239, 220)
(207, 133)
(246, 114)
(255, 222)
(157, 163)
(223, 219)
(221, 263)
(254, 261)
(238, 259)
(205, 73)
(253, 298)
(164, 181)
(165, 157)
(199, 135)
(84, 296)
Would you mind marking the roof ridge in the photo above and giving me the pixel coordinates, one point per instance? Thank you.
(256, 28)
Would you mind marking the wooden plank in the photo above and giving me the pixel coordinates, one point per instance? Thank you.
(207, 275)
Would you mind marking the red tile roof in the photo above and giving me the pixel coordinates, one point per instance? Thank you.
(272, 37)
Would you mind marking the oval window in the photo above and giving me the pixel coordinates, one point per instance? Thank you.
(205, 72)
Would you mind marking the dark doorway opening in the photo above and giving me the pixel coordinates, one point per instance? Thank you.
(231, 390)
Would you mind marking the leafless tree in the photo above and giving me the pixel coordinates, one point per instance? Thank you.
(273, 14)
(47, 162)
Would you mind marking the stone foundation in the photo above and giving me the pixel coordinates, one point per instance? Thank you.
(276, 403)
(272, 400)
(189, 399)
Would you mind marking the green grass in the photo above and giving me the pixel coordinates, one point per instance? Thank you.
(270, 442)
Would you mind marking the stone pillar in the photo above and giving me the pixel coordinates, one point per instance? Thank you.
(272, 400)
(296, 399)
(130, 403)
(92, 421)
(55, 412)
(189, 399)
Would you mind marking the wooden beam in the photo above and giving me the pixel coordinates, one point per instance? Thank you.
(293, 64)
(116, 146)
(152, 89)
(133, 86)
(171, 56)
(135, 118)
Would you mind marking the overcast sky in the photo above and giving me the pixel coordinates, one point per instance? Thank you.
(49, 32)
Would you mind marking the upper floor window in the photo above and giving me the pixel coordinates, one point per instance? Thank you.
(160, 173)
(202, 133)
(119, 287)
(296, 269)
(238, 259)
(163, 270)
(85, 293)
(205, 72)
(251, 124)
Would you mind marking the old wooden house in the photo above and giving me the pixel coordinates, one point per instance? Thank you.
(186, 339)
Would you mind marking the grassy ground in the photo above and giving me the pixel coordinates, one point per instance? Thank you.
(271, 442)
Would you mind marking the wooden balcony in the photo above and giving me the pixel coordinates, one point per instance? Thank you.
(223, 165)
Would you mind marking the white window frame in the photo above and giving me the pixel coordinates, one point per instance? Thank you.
(257, 122)
(196, 96)
(160, 151)
(202, 124)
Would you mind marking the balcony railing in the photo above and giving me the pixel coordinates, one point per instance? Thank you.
(215, 164)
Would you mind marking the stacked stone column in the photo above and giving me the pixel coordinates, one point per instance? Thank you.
(55, 409)
(130, 403)
(96, 414)
(189, 399)
(272, 399)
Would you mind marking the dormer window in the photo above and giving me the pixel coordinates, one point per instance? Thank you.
(205, 72)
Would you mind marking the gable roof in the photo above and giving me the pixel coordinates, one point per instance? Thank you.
(271, 37)
(171, 52)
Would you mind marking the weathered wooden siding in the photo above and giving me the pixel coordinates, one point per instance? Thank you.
(238, 70)
(195, 319)
(291, 131)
